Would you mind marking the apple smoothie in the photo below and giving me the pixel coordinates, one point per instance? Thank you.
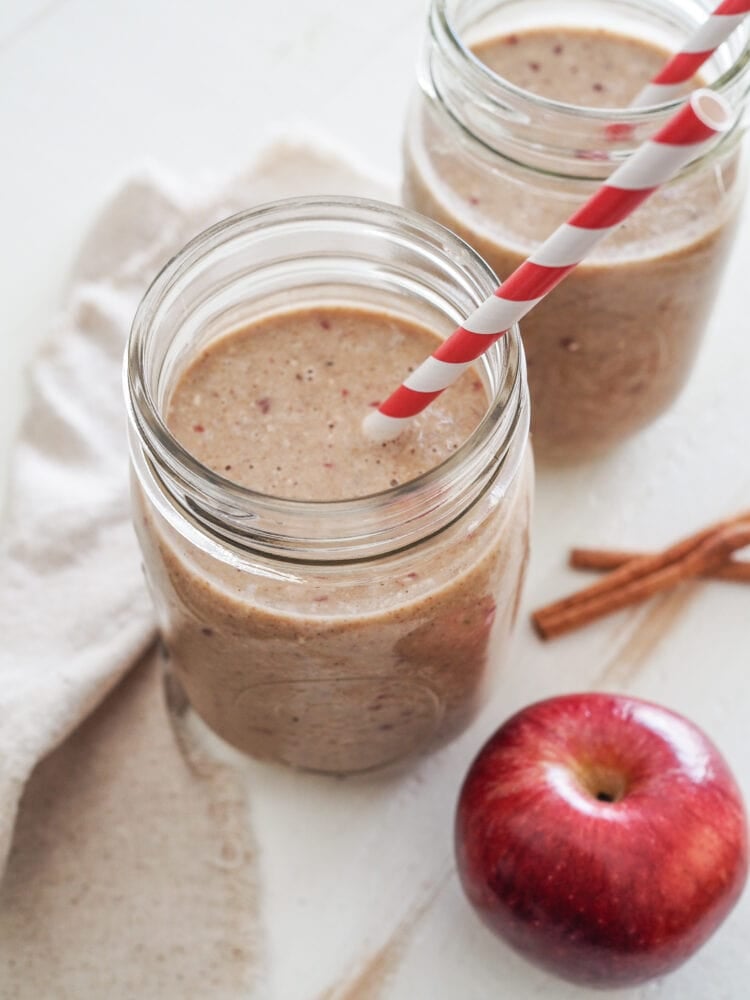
(333, 668)
(612, 346)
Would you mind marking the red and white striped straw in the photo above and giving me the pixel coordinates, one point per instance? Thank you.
(669, 82)
(684, 137)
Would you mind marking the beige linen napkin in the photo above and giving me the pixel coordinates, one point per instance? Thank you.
(131, 870)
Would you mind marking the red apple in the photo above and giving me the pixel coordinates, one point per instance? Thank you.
(601, 836)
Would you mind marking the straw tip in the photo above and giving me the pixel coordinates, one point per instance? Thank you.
(379, 427)
(712, 109)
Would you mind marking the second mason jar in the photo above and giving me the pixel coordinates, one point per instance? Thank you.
(326, 601)
(522, 112)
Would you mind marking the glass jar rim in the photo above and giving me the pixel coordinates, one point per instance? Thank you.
(506, 415)
(495, 86)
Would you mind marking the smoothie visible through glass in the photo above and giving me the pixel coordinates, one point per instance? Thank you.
(510, 137)
(328, 601)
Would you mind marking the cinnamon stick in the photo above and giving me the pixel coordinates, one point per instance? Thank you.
(645, 576)
(642, 565)
(734, 570)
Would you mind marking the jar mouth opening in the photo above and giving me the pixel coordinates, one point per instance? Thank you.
(504, 368)
(497, 87)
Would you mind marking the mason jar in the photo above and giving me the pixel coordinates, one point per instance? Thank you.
(345, 635)
(502, 166)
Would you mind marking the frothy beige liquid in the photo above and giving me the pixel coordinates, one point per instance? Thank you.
(612, 346)
(278, 407)
(355, 668)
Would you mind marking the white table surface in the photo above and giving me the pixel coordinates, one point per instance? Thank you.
(358, 893)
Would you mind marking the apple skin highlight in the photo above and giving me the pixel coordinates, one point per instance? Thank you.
(601, 836)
